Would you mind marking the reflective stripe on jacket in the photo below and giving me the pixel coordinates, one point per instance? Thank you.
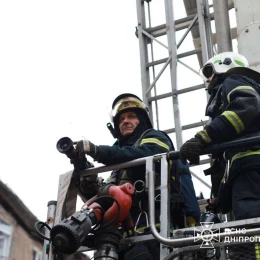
(239, 113)
(154, 142)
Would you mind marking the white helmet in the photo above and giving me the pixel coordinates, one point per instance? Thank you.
(221, 63)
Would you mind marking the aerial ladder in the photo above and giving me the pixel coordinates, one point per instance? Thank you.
(199, 23)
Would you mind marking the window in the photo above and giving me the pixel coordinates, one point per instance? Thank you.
(37, 255)
(5, 239)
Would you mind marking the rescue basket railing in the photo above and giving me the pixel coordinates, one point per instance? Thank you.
(221, 147)
(163, 236)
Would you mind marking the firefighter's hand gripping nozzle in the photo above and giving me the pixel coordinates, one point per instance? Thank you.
(110, 207)
(66, 146)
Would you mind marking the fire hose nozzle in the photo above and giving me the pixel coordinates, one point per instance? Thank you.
(65, 145)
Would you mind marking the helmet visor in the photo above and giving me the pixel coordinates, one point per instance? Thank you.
(206, 72)
(125, 103)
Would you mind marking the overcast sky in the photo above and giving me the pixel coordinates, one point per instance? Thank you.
(62, 63)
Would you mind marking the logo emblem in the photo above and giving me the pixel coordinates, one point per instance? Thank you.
(210, 235)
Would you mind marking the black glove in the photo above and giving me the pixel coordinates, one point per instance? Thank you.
(86, 147)
(191, 151)
(212, 205)
(90, 184)
(79, 165)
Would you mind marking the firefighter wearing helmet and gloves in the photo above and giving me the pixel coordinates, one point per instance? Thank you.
(234, 107)
(136, 138)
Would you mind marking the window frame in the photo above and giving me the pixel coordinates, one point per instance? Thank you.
(7, 232)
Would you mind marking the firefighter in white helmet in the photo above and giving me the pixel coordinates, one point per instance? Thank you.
(234, 107)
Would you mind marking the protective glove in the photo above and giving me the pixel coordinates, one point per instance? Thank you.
(86, 147)
(191, 151)
(90, 184)
(79, 165)
(212, 205)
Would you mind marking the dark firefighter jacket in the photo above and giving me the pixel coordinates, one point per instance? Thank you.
(235, 112)
(150, 143)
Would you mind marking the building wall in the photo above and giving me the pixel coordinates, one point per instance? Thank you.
(22, 245)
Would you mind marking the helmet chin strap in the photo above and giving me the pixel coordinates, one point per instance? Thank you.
(111, 129)
(216, 81)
